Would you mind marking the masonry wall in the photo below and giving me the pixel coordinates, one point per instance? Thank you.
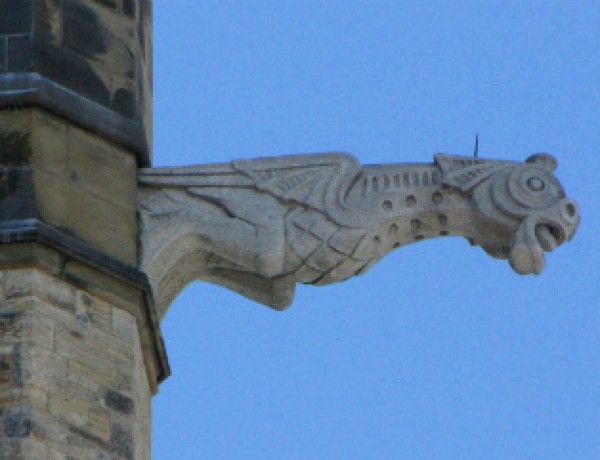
(99, 49)
(80, 347)
(81, 181)
(72, 379)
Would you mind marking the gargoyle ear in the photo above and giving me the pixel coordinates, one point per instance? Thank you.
(545, 160)
(464, 173)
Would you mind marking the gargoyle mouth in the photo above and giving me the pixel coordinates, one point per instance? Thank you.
(531, 240)
(549, 237)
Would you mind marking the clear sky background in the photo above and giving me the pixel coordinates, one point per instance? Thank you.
(439, 352)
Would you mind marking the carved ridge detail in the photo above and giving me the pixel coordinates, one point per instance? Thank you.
(260, 226)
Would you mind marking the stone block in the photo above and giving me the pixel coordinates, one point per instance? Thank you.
(71, 413)
(70, 343)
(54, 290)
(72, 373)
(38, 329)
(99, 424)
(88, 378)
(65, 204)
(102, 169)
(44, 368)
(44, 288)
(49, 142)
(124, 325)
(79, 394)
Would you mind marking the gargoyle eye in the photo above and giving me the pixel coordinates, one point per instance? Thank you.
(536, 184)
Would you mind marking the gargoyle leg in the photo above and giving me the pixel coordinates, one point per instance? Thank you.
(242, 232)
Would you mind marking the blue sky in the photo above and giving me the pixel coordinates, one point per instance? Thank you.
(439, 352)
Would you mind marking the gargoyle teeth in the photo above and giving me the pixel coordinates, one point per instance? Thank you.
(547, 237)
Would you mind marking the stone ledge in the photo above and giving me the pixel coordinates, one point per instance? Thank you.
(31, 242)
(31, 89)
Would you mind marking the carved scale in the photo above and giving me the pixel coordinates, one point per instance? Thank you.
(260, 226)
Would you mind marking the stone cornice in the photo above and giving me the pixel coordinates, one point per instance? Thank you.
(72, 249)
(31, 89)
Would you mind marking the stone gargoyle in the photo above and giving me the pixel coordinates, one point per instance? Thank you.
(260, 226)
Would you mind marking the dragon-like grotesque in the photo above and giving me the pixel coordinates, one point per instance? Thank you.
(260, 226)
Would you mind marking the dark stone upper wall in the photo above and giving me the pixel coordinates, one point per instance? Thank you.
(97, 50)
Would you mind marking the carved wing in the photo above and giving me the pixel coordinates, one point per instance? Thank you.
(314, 181)
(464, 173)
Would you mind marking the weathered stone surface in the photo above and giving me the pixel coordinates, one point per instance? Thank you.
(57, 172)
(260, 226)
(80, 352)
(62, 374)
(85, 52)
(109, 299)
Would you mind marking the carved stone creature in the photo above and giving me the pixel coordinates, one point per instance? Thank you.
(260, 226)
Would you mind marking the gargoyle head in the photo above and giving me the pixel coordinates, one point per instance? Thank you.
(522, 208)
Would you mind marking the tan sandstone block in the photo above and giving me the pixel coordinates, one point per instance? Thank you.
(71, 344)
(38, 329)
(124, 325)
(102, 169)
(99, 423)
(87, 377)
(49, 143)
(55, 291)
(73, 412)
(100, 223)
(44, 369)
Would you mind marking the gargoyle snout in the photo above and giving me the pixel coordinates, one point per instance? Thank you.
(543, 232)
(559, 226)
